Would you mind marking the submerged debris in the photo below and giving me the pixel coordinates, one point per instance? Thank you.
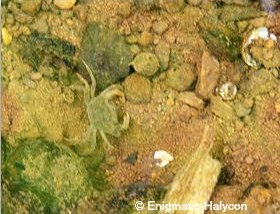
(196, 180)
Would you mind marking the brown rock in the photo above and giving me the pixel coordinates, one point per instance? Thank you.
(137, 88)
(208, 75)
(31, 7)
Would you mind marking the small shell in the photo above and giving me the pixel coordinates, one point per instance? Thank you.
(227, 91)
(162, 158)
(146, 64)
(259, 33)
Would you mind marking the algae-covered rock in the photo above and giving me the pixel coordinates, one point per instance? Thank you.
(106, 53)
(35, 47)
(145, 63)
(223, 41)
(44, 177)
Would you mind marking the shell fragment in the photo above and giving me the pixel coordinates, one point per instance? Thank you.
(259, 33)
(162, 158)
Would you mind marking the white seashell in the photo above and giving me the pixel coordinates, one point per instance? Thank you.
(162, 158)
(259, 33)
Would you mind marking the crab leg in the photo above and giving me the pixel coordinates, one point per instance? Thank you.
(93, 81)
(85, 89)
(103, 135)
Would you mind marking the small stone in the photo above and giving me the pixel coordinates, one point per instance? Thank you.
(194, 2)
(64, 4)
(137, 88)
(132, 158)
(162, 51)
(277, 106)
(6, 36)
(125, 8)
(145, 39)
(249, 160)
(160, 27)
(145, 63)
(171, 6)
(31, 7)
(208, 75)
(36, 76)
(191, 99)
(80, 12)
(180, 78)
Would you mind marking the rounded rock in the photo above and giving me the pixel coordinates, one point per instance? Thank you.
(145, 63)
(64, 5)
(180, 78)
(137, 88)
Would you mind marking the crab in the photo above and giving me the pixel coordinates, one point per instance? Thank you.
(102, 114)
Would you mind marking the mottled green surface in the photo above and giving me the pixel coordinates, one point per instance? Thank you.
(106, 53)
(45, 177)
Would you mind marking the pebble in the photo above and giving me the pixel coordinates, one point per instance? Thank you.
(31, 7)
(194, 2)
(191, 99)
(146, 63)
(145, 39)
(6, 36)
(160, 27)
(64, 5)
(249, 160)
(208, 75)
(180, 77)
(171, 6)
(137, 88)
(36, 76)
(162, 51)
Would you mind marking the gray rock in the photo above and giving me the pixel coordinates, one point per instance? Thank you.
(106, 53)
(208, 75)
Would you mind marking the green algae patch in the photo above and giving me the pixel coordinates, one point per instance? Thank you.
(45, 176)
